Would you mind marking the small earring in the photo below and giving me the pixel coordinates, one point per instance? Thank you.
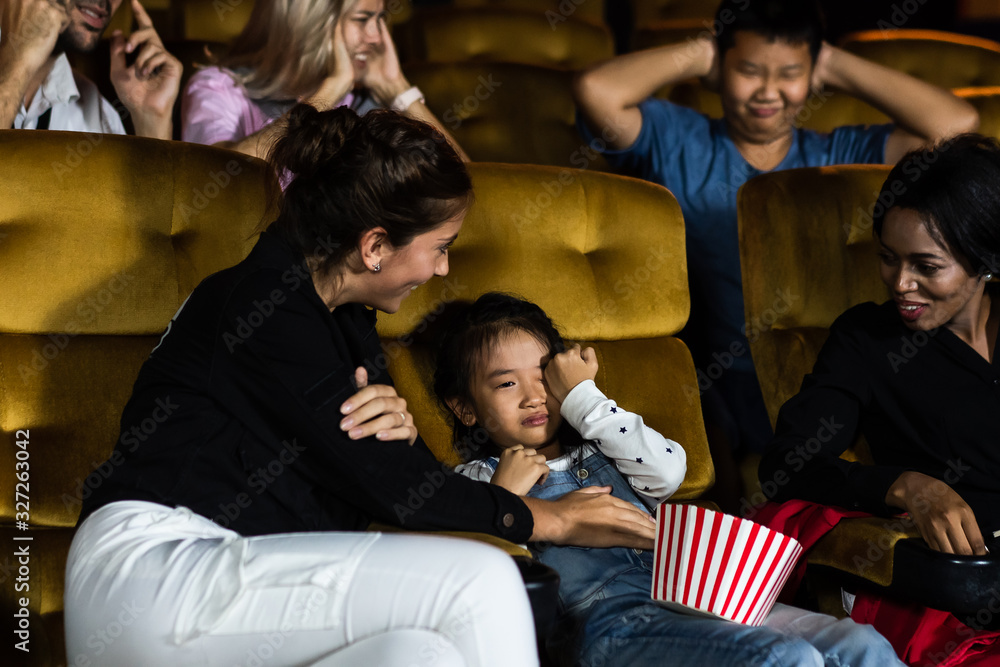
(377, 267)
(988, 276)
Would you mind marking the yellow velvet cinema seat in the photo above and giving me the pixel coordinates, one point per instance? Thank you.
(662, 33)
(502, 35)
(945, 59)
(215, 20)
(604, 256)
(507, 112)
(101, 240)
(808, 254)
(650, 12)
(556, 10)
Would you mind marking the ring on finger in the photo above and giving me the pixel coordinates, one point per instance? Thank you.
(403, 417)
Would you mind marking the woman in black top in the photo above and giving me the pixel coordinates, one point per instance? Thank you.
(263, 411)
(918, 376)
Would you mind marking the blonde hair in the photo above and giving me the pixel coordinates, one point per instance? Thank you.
(286, 49)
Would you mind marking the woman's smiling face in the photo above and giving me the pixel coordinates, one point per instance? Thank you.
(930, 285)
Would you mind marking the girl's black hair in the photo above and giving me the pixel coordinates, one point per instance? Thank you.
(473, 333)
(955, 188)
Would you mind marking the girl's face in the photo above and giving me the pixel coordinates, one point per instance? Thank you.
(510, 398)
(362, 33)
(931, 287)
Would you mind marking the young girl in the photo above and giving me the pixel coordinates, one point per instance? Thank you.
(511, 384)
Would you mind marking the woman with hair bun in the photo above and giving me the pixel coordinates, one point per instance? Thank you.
(327, 53)
(234, 532)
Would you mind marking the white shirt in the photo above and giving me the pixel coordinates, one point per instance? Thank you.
(76, 104)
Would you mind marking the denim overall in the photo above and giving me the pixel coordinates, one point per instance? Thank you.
(607, 616)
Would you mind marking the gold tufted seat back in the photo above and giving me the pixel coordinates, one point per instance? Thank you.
(649, 12)
(216, 21)
(587, 10)
(945, 59)
(101, 240)
(502, 35)
(807, 254)
(507, 112)
(604, 256)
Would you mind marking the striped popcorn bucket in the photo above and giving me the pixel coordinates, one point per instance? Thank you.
(719, 565)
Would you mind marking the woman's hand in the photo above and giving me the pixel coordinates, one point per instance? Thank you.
(945, 521)
(376, 410)
(338, 84)
(568, 369)
(384, 76)
(520, 469)
(592, 517)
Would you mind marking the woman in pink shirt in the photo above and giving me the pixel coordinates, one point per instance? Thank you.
(327, 53)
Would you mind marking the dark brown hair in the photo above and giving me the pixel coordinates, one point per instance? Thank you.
(955, 187)
(352, 173)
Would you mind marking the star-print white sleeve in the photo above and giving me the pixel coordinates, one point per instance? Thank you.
(655, 466)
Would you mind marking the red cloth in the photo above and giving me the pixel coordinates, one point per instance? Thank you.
(922, 637)
(806, 522)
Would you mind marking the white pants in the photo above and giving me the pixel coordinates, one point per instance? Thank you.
(150, 585)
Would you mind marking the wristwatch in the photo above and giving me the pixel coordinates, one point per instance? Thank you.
(406, 98)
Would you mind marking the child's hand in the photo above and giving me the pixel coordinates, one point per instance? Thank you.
(821, 75)
(520, 469)
(708, 53)
(568, 369)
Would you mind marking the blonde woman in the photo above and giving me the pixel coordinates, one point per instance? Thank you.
(328, 53)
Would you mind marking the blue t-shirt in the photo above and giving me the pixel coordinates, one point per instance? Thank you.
(693, 156)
